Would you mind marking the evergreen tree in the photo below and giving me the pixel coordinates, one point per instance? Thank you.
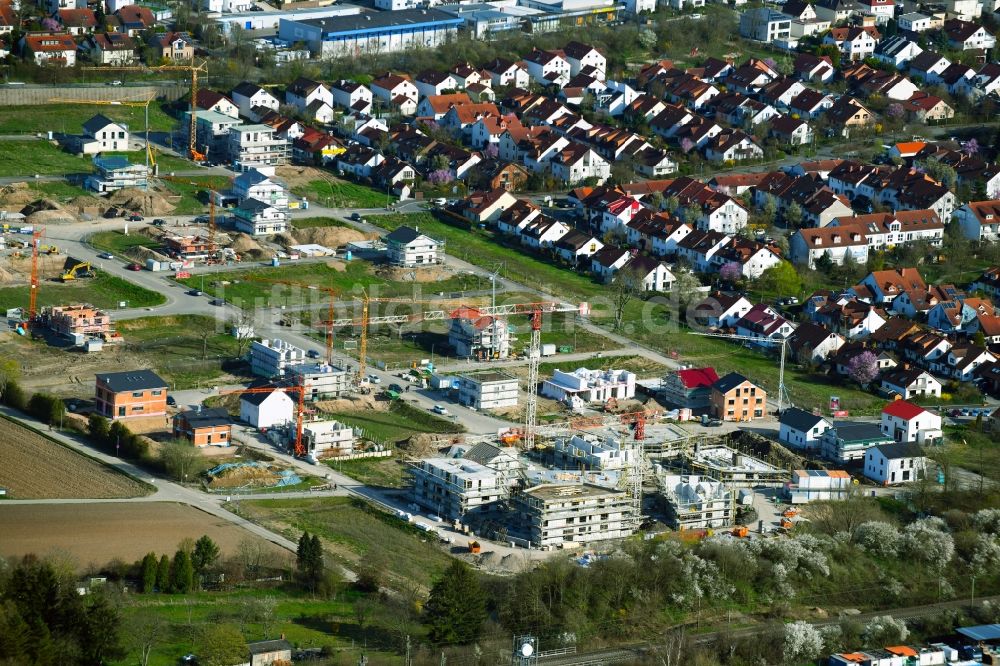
(205, 554)
(182, 572)
(163, 574)
(309, 561)
(97, 428)
(456, 609)
(149, 573)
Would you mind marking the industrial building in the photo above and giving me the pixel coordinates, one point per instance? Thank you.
(560, 515)
(475, 335)
(321, 380)
(693, 501)
(583, 386)
(328, 439)
(270, 358)
(453, 487)
(816, 485)
(589, 451)
(487, 389)
(371, 32)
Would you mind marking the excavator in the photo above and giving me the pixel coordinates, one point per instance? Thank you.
(76, 269)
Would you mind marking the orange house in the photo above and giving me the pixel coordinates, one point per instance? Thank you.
(204, 427)
(131, 394)
(736, 398)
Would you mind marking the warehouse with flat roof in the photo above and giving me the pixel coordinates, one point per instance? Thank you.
(371, 32)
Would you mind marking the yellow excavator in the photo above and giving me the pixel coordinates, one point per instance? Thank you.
(74, 269)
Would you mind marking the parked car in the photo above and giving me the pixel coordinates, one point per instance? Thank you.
(159, 222)
(201, 219)
(312, 353)
(111, 212)
(356, 217)
(217, 301)
(134, 267)
(106, 255)
(374, 379)
(438, 409)
(171, 401)
(194, 292)
(116, 82)
(396, 387)
(135, 217)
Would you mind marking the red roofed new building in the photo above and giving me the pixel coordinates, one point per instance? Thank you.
(689, 388)
(475, 335)
(906, 422)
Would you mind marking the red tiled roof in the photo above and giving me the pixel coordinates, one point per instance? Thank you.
(903, 409)
(698, 377)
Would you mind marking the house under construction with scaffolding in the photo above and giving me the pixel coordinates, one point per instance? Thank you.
(565, 515)
(696, 502)
(733, 468)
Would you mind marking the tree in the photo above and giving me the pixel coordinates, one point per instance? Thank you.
(163, 574)
(863, 368)
(803, 642)
(626, 285)
(148, 568)
(13, 395)
(97, 428)
(793, 215)
(182, 572)
(10, 371)
(456, 609)
(731, 272)
(780, 280)
(100, 634)
(309, 561)
(179, 459)
(221, 645)
(970, 147)
(145, 631)
(205, 554)
(885, 630)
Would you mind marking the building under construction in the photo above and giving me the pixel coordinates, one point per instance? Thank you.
(695, 502)
(564, 515)
(733, 468)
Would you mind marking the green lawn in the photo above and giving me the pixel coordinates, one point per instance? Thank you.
(117, 242)
(311, 222)
(261, 287)
(380, 472)
(26, 158)
(186, 192)
(640, 365)
(355, 531)
(60, 190)
(104, 291)
(187, 350)
(398, 423)
(335, 193)
(305, 622)
(69, 118)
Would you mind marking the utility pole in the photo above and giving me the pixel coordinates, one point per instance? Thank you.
(407, 662)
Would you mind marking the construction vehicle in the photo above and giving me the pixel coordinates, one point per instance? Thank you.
(77, 269)
(474, 547)
(741, 532)
(48, 249)
(786, 524)
(194, 69)
(790, 513)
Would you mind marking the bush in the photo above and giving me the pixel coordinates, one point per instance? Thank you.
(46, 408)
(13, 396)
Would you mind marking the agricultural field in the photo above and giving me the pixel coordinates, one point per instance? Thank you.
(69, 118)
(35, 467)
(104, 291)
(353, 532)
(334, 193)
(99, 532)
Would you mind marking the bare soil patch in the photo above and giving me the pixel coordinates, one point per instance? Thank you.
(96, 533)
(35, 467)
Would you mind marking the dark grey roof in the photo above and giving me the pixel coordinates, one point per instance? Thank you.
(729, 382)
(483, 453)
(403, 235)
(263, 647)
(898, 450)
(98, 122)
(247, 89)
(377, 20)
(254, 205)
(858, 430)
(132, 380)
(799, 419)
(205, 418)
(257, 398)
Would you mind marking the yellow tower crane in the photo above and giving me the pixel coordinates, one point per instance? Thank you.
(194, 69)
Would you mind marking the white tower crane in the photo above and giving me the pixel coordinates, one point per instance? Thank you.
(782, 390)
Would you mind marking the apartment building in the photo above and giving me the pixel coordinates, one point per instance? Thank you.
(130, 394)
(588, 451)
(488, 389)
(321, 381)
(475, 335)
(270, 358)
(257, 147)
(72, 321)
(453, 487)
(736, 398)
(116, 173)
(328, 439)
(212, 133)
(694, 502)
(563, 515)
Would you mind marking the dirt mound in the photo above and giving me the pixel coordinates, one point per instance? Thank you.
(7, 277)
(423, 444)
(430, 274)
(144, 202)
(246, 246)
(295, 176)
(356, 404)
(39, 205)
(332, 237)
(16, 194)
(241, 475)
(50, 217)
(87, 204)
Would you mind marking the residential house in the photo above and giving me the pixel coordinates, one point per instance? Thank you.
(802, 430)
(809, 245)
(407, 247)
(650, 274)
(77, 21)
(433, 82)
(266, 409)
(258, 218)
(548, 68)
(813, 344)
(765, 25)
(914, 22)
(396, 93)
(506, 73)
(269, 653)
(910, 382)
(609, 260)
(101, 134)
(58, 49)
(736, 398)
(721, 310)
(764, 325)
(203, 427)
(848, 114)
(352, 96)
(855, 43)
(111, 48)
(732, 145)
(302, 92)
(255, 185)
(905, 422)
(475, 335)
(897, 51)
(886, 285)
(979, 220)
(882, 10)
(689, 388)
(813, 69)
(699, 247)
(968, 35)
(890, 464)
(927, 66)
(130, 394)
(174, 46)
(583, 56)
(135, 19)
(253, 101)
(923, 107)
(849, 440)
(209, 100)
